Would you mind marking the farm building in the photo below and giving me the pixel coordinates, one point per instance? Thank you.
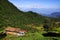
(15, 31)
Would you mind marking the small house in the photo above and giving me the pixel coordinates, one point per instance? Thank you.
(15, 31)
(22, 32)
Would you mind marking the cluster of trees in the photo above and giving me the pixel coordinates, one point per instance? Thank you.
(50, 24)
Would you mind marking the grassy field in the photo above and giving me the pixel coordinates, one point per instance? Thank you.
(30, 36)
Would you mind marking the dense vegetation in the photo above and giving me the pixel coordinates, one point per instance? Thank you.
(11, 16)
(30, 21)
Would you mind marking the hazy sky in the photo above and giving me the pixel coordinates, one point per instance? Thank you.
(40, 6)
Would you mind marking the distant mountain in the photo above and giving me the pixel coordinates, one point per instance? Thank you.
(55, 14)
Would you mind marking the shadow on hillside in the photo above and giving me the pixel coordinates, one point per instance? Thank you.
(2, 35)
(51, 34)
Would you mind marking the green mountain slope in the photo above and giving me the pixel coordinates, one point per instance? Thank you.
(11, 16)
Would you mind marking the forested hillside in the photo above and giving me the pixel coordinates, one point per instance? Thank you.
(11, 16)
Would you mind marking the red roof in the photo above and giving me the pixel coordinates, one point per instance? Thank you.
(23, 30)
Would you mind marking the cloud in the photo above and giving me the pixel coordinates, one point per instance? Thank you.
(31, 4)
(39, 6)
